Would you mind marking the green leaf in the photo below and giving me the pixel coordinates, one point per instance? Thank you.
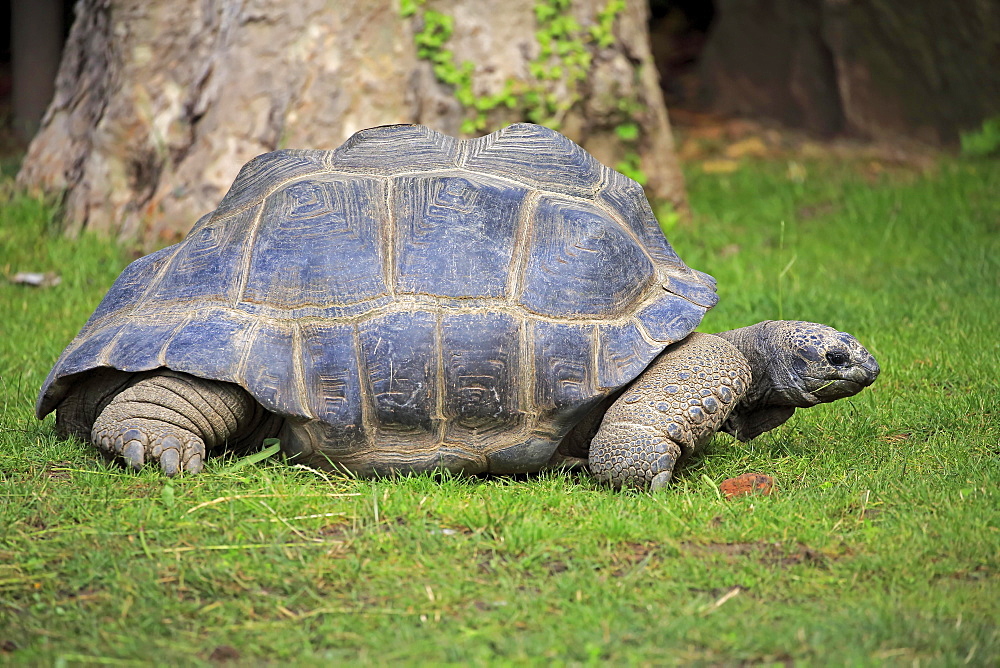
(408, 8)
(271, 448)
(442, 57)
(984, 142)
(167, 493)
(544, 12)
(485, 103)
(465, 97)
(628, 132)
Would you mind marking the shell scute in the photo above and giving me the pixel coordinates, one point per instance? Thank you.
(538, 156)
(564, 361)
(623, 353)
(260, 175)
(269, 370)
(670, 318)
(130, 287)
(140, 343)
(392, 149)
(581, 266)
(455, 234)
(481, 362)
(400, 361)
(90, 350)
(206, 265)
(332, 378)
(211, 343)
(319, 242)
(626, 197)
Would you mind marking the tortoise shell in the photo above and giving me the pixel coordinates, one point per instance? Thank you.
(409, 299)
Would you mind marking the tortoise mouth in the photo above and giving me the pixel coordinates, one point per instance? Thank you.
(836, 388)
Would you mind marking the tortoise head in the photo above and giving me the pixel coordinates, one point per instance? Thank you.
(795, 364)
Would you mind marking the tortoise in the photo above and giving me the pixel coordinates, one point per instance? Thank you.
(411, 301)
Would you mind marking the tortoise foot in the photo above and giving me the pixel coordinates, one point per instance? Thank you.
(174, 420)
(141, 441)
(627, 454)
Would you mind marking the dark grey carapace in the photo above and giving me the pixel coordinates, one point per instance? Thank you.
(408, 302)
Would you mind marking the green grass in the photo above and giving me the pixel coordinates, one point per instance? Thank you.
(880, 545)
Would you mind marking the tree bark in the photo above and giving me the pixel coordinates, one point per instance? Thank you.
(158, 104)
(36, 32)
(880, 69)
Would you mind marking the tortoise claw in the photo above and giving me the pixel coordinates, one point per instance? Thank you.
(660, 480)
(142, 442)
(195, 463)
(170, 456)
(134, 455)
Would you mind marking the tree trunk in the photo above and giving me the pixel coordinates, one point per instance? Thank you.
(881, 69)
(158, 104)
(36, 32)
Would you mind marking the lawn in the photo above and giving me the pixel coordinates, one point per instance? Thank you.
(879, 545)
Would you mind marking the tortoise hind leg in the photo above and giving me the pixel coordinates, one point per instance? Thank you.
(668, 412)
(176, 419)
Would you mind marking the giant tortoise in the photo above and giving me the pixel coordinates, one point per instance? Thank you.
(411, 302)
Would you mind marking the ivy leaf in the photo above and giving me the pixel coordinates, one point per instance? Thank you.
(544, 12)
(627, 132)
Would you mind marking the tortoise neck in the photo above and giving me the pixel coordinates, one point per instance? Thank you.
(754, 343)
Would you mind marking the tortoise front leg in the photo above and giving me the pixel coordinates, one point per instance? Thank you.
(175, 419)
(671, 410)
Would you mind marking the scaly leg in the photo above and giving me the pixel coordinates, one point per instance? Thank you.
(671, 410)
(175, 419)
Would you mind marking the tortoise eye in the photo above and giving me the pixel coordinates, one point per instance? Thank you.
(838, 358)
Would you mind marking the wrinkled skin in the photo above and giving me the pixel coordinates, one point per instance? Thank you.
(795, 365)
(743, 382)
